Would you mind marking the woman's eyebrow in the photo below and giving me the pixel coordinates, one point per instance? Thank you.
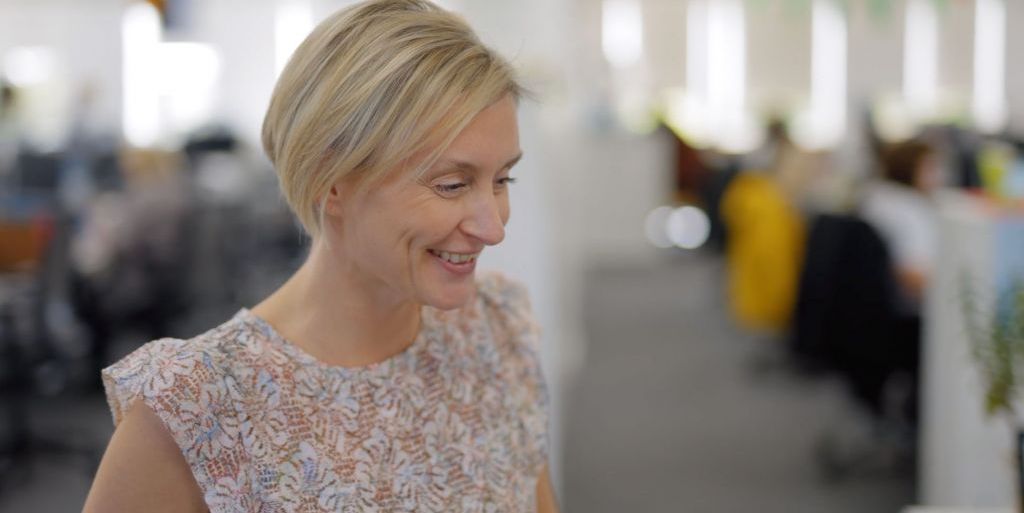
(515, 160)
(462, 165)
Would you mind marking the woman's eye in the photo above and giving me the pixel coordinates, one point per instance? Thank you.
(505, 181)
(449, 187)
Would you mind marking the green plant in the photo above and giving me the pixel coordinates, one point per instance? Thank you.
(997, 344)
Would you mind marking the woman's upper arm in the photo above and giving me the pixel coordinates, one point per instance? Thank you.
(546, 502)
(143, 470)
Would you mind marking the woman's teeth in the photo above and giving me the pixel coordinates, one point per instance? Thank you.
(455, 258)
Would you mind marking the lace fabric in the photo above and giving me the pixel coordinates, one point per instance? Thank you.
(456, 422)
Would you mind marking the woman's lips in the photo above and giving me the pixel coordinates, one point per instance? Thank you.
(455, 263)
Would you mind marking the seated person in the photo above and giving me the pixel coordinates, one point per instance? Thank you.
(900, 207)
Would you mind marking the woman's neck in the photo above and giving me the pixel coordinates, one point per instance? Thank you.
(338, 315)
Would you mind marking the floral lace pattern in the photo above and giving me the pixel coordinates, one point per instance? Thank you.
(456, 422)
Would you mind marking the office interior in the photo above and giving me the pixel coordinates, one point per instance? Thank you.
(776, 247)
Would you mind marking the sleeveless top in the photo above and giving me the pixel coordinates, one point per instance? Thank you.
(456, 422)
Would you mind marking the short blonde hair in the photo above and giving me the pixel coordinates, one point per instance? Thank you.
(371, 86)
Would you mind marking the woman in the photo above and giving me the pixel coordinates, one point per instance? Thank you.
(900, 207)
(382, 376)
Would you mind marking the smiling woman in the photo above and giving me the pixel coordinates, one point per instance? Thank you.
(385, 375)
(417, 231)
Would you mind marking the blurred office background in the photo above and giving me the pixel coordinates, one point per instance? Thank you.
(744, 225)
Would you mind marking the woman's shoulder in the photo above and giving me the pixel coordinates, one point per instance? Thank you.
(496, 290)
(517, 339)
(171, 368)
(196, 388)
(504, 303)
(892, 198)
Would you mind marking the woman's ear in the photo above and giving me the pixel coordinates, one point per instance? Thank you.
(334, 201)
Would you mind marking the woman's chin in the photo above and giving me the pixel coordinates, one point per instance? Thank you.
(450, 297)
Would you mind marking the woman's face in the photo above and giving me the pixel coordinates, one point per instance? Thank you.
(417, 237)
(927, 177)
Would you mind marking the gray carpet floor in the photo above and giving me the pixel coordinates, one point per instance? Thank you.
(678, 410)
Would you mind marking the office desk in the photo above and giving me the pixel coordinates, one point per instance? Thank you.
(966, 458)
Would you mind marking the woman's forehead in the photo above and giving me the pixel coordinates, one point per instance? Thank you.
(472, 166)
(490, 139)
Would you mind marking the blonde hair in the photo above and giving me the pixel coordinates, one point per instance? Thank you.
(371, 86)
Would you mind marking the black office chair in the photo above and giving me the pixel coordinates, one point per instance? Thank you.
(847, 320)
(32, 228)
(24, 348)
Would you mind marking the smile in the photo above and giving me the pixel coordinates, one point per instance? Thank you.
(454, 258)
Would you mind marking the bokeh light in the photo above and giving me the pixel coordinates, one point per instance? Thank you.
(688, 227)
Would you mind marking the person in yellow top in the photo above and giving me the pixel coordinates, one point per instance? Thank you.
(764, 251)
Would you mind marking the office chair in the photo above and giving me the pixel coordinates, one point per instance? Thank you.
(24, 257)
(847, 320)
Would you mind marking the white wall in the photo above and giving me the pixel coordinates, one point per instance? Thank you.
(779, 55)
(86, 38)
(243, 33)
(1015, 63)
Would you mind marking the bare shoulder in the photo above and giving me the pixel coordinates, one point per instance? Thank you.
(143, 470)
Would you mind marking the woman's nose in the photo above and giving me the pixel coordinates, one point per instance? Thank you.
(486, 219)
